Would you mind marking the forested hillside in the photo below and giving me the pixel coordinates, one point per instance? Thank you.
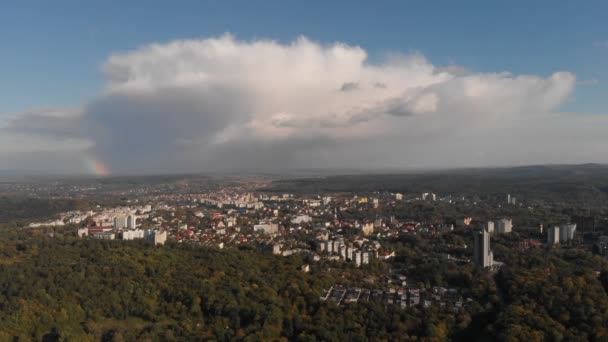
(79, 290)
(98, 290)
(571, 184)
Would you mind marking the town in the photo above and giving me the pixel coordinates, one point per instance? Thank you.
(418, 249)
(332, 229)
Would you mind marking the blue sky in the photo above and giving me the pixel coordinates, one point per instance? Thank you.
(52, 50)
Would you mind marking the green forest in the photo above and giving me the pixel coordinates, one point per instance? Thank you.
(64, 289)
(18, 210)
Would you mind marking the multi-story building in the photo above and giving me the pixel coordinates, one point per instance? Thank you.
(566, 232)
(349, 252)
(276, 249)
(268, 228)
(343, 251)
(428, 196)
(131, 221)
(337, 244)
(365, 258)
(120, 222)
(601, 246)
(504, 226)
(367, 228)
(490, 227)
(157, 237)
(357, 258)
(82, 232)
(132, 234)
(464, 221)
(160, 237)
(301, 219)
(482, 254)
(104, 235)
(553, 236)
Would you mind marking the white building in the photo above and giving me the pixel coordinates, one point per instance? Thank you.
(120, 222)
(566, 232)
(231, 221)
(160, 238)
(490, 227)
(157, 237)
(504, 226)
(49, 224)
(133, 234)
(337, 245)
(553, 236)
(358, 258)
(367, 228)
(365, 258)
(301, 219)
(268, 228)
(131, 221)
(104, 235)
(482, 254)
(314, 203)
(349, 253)
(428, 196)
(277, 249)
(342, 251)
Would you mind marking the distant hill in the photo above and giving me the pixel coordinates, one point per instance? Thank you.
(565, 183)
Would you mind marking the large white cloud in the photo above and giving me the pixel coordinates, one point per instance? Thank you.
(220, 103)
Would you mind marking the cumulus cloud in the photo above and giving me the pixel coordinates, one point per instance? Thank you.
(221, 103)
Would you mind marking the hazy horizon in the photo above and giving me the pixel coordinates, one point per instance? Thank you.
(291, 173)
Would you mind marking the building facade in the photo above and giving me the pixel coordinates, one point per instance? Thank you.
(504, 226)
(553, 236)
(566, 232)
(482, 254)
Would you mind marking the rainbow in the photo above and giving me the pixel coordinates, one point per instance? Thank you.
(97, 167)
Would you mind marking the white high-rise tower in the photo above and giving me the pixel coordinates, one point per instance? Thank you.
(553, 236)
(482, 254)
